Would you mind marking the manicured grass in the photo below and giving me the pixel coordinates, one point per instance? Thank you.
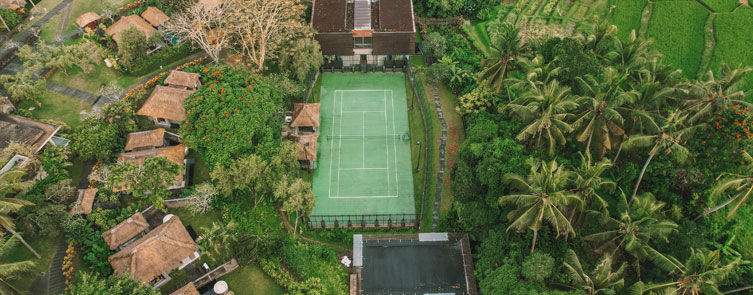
(83, 6)
(677, 30)
(201, 171)
(721, 5)
(734, 38)
(45, 246)
(199, 222)
(58, 107)
(250, 279)
(417, 133)
(627, 17)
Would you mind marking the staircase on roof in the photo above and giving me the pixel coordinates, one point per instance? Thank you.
(362, 15)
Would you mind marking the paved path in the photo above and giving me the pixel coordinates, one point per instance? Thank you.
(440, 175)
(73, 92)
(23, 36)
(64, 17)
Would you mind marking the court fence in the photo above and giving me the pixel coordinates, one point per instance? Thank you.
(363, 221)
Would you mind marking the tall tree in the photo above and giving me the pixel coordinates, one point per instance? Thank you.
(11, 270)
(540, 197)
(602, 280)
(302, 57)
(631, 55)
(260, 27)
(708, 97)
(148, 181)
(239, 174)
(506, 47)
(642, 221)
(590, 184)
(203, 28)
(741, 186)
(547, 108)
(92, 284)
(296, 197)
(11, 183)
(670, 140)
(701, 274)
(600, 118)
(132, 46)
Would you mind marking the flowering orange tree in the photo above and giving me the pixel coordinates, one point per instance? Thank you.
(726, 135)
(234, 113)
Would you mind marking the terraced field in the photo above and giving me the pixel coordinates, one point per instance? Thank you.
(677, 30)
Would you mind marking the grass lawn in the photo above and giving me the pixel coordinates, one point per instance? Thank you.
(677, 30)
(83, 6)
(45, 246)
(721, 5)
(58, 107)
(201, 171)
(416, 123)
(250, 279)
(197, 221)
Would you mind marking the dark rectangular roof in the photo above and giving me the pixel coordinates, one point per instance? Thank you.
(415, 264)
(24, 130)
(332, 16)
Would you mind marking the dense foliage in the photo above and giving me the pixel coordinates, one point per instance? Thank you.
(92, 284)
(102, 135)
(232, 114)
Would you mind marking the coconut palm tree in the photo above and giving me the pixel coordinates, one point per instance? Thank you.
(589, 183)
(642, 113)
(712, 95)
(600, 118)
(12, 269)
(505, 48)
(540, 197)
(741, 186)
(701, 274)
(602, 280)
(10, 183)
(631, 55)
(602, 32)
(547, 108)
(642, 221)
(670, 140)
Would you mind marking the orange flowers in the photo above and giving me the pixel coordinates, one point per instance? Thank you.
(206, 70)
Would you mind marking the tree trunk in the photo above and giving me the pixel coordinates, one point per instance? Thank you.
(739, 290)
(640, 177)
(614, 161)
(295, 228)
(708, 211)
(533, 245)
(21, 239)
(588, 145)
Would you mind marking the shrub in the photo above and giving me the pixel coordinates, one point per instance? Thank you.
(538, 267)
(12, 19)
(162, 57)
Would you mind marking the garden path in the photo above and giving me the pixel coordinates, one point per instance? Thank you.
(73, 92)
(66, 14)
(440, 175)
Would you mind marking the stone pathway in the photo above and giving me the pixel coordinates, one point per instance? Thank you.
(56, 280)
(440, 175)
(23, 36)
(73, 92)
(64, 17)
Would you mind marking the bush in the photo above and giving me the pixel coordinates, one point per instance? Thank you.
(162, 57)
(94, 250)
(11, 18)
(538, 267)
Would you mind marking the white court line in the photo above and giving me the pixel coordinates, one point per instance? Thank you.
(386, 142)
(362, 168)
(363, 111)
(394, 144)
(363, 140)
(340, 145)
(332, 147)
(363, 197)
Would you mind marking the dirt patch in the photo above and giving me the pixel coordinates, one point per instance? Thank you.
(452, 148)
(450, 162)
(454, 133)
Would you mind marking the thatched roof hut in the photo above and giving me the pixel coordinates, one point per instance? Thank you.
(305, 115)
(183, 79)
(188, 289)
(145, 139)
(87, 18)
(24, 130)
(126, 22)
(154, 16)
(126, 230)
(165, 103)
(85, 201)
(306, 149)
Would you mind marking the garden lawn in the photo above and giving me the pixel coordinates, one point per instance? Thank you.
(83, 6)
(201, 171)
(416, 123)
(627, 17)
(734, 39)
(58, 107)
(677, 30)
(250, 279)
(721, 5)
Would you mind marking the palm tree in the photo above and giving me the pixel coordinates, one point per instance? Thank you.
(601, 32)
(632, 55)
(9, 270)
(541, 197)
(602, 280)
(548, 110)
(588, 182)
(642, 113)
(506, 47)
(712, 95)
(670, 140)
(740, 184)
(642, 221)
(600, 116)
(10, 183)
(701, 274)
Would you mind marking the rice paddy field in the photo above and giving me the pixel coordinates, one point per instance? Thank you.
(696, 36)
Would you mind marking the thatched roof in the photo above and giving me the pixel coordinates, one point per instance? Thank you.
(166, 103)
(26, 131)
(85, 201)
(87, 18)
(154, 16)
(12, 4)
(210, 4)
(152, 138)
(159, 251)
(188, 289)
(125, 230)
(182, 79)
(307, 152)
(175, 154)
(126, 22)
(305, 115)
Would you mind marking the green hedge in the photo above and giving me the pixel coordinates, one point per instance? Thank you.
(162, 57)
(677, 30)
(11, 18)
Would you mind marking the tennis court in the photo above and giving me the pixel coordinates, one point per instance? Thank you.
(363, 151)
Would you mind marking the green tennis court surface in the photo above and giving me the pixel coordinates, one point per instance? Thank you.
(363, 151)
